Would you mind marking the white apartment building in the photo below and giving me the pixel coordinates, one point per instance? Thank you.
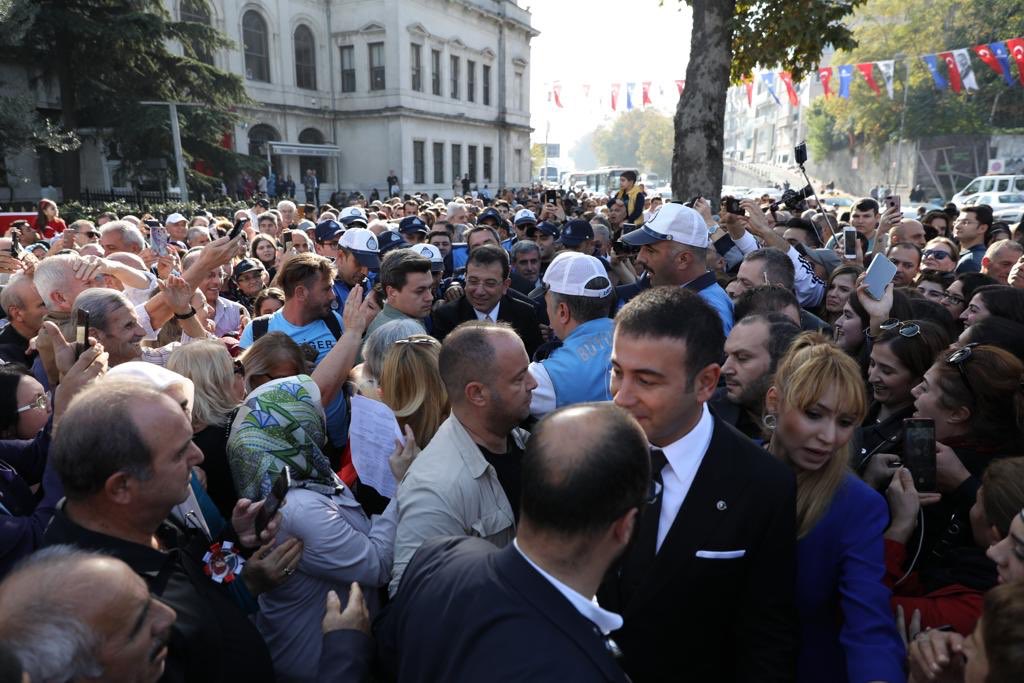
(431, 89)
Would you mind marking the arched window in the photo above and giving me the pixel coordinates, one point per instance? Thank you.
(305, 58)
(196, 11)
(257, 51)
(259, 135)
(311, 136)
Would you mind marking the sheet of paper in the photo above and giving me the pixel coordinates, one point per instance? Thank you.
(371, 436)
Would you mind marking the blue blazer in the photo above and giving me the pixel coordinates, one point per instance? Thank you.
(847, 628)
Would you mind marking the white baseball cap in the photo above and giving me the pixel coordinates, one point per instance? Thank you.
(363, 244)
(671, 222)
(175, 218)
(432, 253)
(525, 216)
(570, 272)
(352, 214)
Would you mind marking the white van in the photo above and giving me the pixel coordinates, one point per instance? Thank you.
(988, 183)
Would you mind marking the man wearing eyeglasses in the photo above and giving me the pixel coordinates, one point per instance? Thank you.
(487, 298)
(969, 229)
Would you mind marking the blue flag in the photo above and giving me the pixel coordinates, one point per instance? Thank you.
(769, 82)
(630, 87)
(933, 66)
(845, 79)
(1000, 53)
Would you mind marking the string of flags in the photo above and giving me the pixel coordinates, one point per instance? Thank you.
(952, 69)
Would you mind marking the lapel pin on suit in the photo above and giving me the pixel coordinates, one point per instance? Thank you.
(720, 505)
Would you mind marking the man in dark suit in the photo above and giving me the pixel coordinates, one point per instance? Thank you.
(707, 588)
(487, 298)
(468, 611)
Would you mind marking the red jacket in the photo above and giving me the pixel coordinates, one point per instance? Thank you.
(956, 605)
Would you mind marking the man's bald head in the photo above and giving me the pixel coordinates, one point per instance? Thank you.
(469, 354)
(584, 467)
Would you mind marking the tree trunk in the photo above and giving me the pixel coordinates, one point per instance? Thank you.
(700, 115)
(69, 117)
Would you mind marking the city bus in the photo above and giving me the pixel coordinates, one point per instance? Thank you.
(604, 180)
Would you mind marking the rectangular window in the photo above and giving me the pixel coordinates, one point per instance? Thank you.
(487, 85)
(376, 66)
(470, 80)
(454, 75)
(472, 163)
(418, 162)
(487, 162)
(435, 72)
(456, 163)
(348, 68)
(416, 58)
(438, 163)
(519, 166)
(517, 92)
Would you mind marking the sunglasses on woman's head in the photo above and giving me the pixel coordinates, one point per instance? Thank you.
(907, 330)
(958, 358)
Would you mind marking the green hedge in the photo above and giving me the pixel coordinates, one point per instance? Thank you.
(73, 210)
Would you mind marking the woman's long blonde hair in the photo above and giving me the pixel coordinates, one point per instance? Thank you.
(810, 367)
(411, 386)
(208, 364)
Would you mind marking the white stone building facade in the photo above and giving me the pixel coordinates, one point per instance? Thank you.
(432, 89)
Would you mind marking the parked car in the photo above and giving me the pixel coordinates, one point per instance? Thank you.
(986, 184)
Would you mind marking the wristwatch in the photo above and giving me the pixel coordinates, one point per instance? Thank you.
(713, 228)
(186, 316)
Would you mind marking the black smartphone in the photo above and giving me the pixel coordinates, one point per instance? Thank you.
(272, 503)
(81, 333)
(800, 152)
(849, 243)
(15, 242)
(287, 239)
(551, 196)
(919, 451)
(732, 205)
(239, 224)
(693, 202)
(365, 284)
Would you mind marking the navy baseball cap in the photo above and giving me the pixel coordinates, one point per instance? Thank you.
(246, 265)
(575, 233)
(542, 227)
(411, 224)
(328, 230)
(490, 214)
(389, 240)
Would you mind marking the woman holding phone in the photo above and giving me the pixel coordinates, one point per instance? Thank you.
(813, 407)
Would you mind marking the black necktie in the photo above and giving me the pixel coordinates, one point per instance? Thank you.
(647, 533)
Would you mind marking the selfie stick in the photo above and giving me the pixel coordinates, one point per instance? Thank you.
(817, 201)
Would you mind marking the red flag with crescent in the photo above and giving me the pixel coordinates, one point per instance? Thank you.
(954, 71)
(1016, 48)
(867, 69)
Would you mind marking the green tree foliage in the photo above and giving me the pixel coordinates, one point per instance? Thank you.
(909, 28)
(107, 56)
(641, 138)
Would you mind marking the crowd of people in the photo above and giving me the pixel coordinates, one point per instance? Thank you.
(636, 441)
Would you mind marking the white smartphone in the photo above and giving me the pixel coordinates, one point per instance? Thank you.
(880, 273)
(849, 243)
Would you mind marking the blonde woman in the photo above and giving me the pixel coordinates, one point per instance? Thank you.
(410, 384)
(847, 631)
(218, 391)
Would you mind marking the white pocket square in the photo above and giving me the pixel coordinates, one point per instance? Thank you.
(721, 554)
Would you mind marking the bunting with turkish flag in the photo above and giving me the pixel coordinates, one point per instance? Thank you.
(749, 85)
(679, 86)
(1016, 48)
(615, 96)
(1003, 57)
(845, 78)
(787, 79)
(769, 81)
(987, 54)
(954, 71)
(867, 69)
(556, 91)
(825, 76)
(646, 93)
(963, 63)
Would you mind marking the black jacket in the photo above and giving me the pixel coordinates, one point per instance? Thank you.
(519, 315)
(212, 639)
(14, 348)
(721, 620)
(467, 611)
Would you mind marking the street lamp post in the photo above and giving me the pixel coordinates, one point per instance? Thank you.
(179, 160)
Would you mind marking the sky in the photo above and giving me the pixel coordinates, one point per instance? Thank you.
(600, 42)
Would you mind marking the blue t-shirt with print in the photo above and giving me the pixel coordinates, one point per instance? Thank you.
(319, 336)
